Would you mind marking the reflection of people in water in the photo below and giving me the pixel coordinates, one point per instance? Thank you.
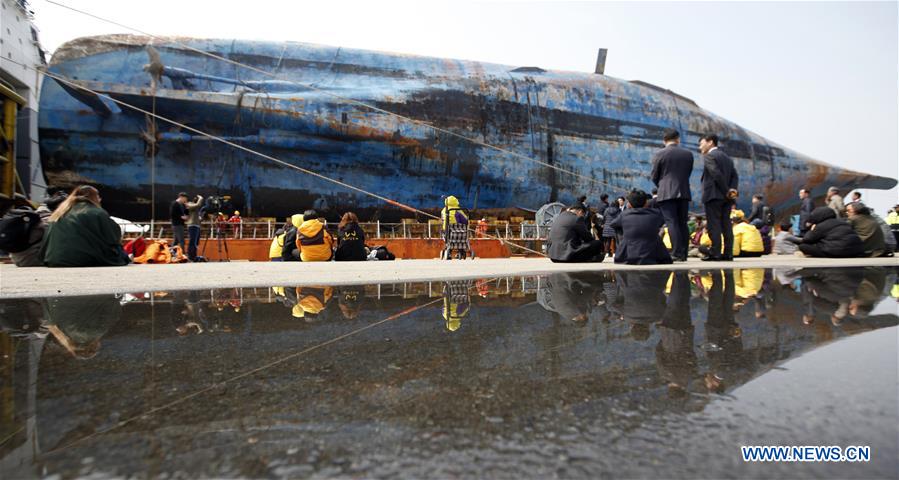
(311, 302)
(723, 335)
(187, 313)
(349, 301)
(828, 292)
(573, 295)
(78, 323)
(642, 295)
(456, 303)
(675, 356)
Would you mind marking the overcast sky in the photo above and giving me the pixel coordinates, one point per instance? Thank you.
(819, 77)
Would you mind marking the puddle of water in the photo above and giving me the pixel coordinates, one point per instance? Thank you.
(573, 375)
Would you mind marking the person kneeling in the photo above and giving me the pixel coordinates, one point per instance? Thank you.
(640, 243)
(569, 239)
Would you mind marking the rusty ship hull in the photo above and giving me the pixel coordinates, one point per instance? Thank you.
(602, 128)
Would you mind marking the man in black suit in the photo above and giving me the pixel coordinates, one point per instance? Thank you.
(719, 189)
(671, 169)
(805, 210)
(569, 239)
(639, 227)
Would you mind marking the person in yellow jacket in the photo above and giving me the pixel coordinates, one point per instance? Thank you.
(454, 223)
(313, 240)
(893, 222)
(748, 282)
(747, 239)
(276, 250)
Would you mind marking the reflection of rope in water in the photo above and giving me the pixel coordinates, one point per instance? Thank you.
(340, 97)
(244, 375)
(283, 163)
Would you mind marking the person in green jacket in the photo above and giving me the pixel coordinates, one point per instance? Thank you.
(82, 234)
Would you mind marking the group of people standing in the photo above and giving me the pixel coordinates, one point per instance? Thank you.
(632, 224)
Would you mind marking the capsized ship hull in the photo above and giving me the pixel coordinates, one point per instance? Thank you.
(595, 125)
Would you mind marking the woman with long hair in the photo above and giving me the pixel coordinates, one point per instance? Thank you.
(350, 239)
(82, 234)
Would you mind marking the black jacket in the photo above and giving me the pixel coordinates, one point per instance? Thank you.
(567, 235)
(640, 243)
(177, 211)
(350, 244)
(833, 235)
(671, 169)
(805, 211)
(290, 246)
(758, 211)
(718, 176)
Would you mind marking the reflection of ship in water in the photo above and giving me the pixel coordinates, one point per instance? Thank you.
(656, 342)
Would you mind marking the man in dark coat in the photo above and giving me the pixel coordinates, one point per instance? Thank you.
(830, 236)
(569, 239)
(805, 210)
(719, 189)
(671, 168)
(640, 226)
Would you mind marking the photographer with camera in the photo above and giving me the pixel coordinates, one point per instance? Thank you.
(194, 221)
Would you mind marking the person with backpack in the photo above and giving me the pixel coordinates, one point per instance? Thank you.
(82, 234)
(23, 231)
(455, 229)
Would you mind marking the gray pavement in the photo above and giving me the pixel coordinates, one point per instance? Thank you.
(42, 282)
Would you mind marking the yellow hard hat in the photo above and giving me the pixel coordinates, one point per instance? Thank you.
(297, 311)
(236, 212)
(737, 214)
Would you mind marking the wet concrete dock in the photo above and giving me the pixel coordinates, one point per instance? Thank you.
(628, 373)
(27, 282)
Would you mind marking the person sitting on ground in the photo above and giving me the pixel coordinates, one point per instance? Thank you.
(830, 236)
(350, 240)
(785, 243)
(82, 234)
(747, 239)
(291, 251)
(313, 240)
(31, 256)
(569, 241)
(639, 227)
(756, 216)
(454, 222)
(867, 228)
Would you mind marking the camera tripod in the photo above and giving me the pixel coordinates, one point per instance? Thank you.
(220, 240)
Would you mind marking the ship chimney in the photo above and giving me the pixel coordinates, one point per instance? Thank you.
(601, 61)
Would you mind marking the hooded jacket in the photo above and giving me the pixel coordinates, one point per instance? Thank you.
(452, 213)
(833, 236)
(314, 241)
(290, 240)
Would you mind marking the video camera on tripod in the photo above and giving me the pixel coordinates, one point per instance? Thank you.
(212, 209)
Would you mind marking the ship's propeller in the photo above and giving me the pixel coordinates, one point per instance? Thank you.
(155, 67)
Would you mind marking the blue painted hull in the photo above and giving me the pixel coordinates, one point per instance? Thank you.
(595, 125)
